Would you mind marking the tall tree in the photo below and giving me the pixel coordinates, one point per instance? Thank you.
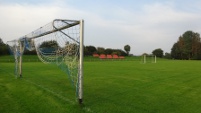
(127, 49)
(187, 49)
(158, 52)
(175, 51)
(187, 46)
(196, 49)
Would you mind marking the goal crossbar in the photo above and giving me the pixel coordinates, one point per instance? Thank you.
(36, 35)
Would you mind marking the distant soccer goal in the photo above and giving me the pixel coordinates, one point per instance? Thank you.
(59, 42)
(148, 59)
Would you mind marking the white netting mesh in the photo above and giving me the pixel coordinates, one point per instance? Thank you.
(57, 42)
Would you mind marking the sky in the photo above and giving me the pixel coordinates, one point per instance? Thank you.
(145, 25)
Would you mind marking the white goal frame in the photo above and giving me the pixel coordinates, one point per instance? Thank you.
(19, 44)
(144, 59)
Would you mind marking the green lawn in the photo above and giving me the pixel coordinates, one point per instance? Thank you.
(127, 86)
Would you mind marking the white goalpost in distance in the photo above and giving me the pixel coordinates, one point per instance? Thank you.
(59, 42)
(148, 59)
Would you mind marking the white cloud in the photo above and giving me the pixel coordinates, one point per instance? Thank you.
(159, 26)
(18, 20)
(156, 25)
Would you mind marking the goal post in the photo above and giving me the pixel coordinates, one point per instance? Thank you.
(143, 59)
(59, 42)
(154, 59)
(80, 91)
(20, 62)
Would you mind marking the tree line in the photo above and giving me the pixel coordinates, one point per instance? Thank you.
(187, 47)
(88, 50)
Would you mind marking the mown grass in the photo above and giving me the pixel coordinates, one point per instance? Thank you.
(26, 58)
(169, 86)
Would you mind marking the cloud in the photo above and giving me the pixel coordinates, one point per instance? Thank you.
(159, 25)
(151, 26)
(18, 20)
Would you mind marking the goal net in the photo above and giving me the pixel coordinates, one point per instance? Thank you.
(59, 42)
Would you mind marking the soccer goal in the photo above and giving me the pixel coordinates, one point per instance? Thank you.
(148, 59)
(59, 42)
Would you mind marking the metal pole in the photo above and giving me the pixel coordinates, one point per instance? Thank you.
(52, 31)
(20, 63)
(80, 76)
(16, 60)
(144, 58)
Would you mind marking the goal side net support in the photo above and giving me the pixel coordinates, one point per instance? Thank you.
(59, 42)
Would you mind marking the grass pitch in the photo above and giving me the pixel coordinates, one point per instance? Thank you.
(169, 86)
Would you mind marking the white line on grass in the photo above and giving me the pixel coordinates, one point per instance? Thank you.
(50, 91)
(59, 96)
